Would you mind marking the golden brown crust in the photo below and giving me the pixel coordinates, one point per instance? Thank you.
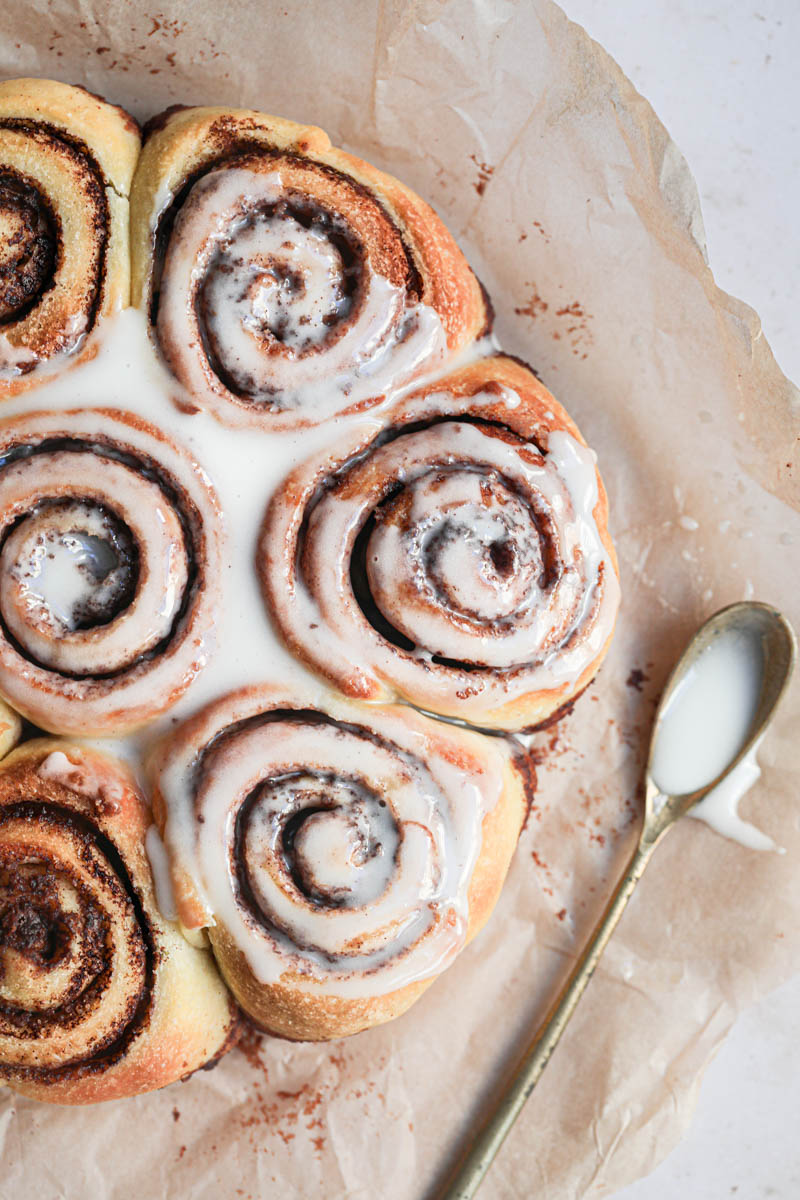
(102, 997)
(10, 728)
(315, 571)
(403, 239)
(294, 1005)
(66, 164)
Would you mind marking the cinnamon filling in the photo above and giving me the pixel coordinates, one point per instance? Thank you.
(30, 261)
(52, 933)
(31, 920)
(28, 245)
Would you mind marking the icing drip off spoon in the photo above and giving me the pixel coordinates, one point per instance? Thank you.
(712, 715)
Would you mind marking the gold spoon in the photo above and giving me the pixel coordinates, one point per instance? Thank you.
(661, 812)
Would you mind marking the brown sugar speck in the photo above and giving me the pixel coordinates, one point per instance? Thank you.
(176, 1114)
(636, 679)
(181, 1152)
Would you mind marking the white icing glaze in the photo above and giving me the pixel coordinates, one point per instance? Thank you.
(709, 715)
(567, 484)
(276, 309)
(162, 876)
(14, 358)
(274, 275)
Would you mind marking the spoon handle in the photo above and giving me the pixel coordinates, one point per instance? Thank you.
(470, 1170)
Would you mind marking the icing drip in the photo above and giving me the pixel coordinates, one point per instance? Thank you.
(720, 808)
(162, 878)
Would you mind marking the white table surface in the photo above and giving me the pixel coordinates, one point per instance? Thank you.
(724, 77)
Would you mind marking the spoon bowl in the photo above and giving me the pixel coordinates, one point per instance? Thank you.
(773, 634)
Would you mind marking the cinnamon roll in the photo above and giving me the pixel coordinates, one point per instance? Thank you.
(286, 280)
(110, 565)
(101, 996)
(66, 164)
(458, 559)
(340, 855)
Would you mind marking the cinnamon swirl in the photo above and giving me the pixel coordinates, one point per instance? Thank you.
(458, 559)
(100, 994)
(66, 164)
(340, 855)
(110, 565)
(286, 280)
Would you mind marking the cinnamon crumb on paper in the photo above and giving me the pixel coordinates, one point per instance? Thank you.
(535, 306)
(485, 173)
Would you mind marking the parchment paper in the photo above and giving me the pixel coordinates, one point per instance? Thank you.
(582, 219)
